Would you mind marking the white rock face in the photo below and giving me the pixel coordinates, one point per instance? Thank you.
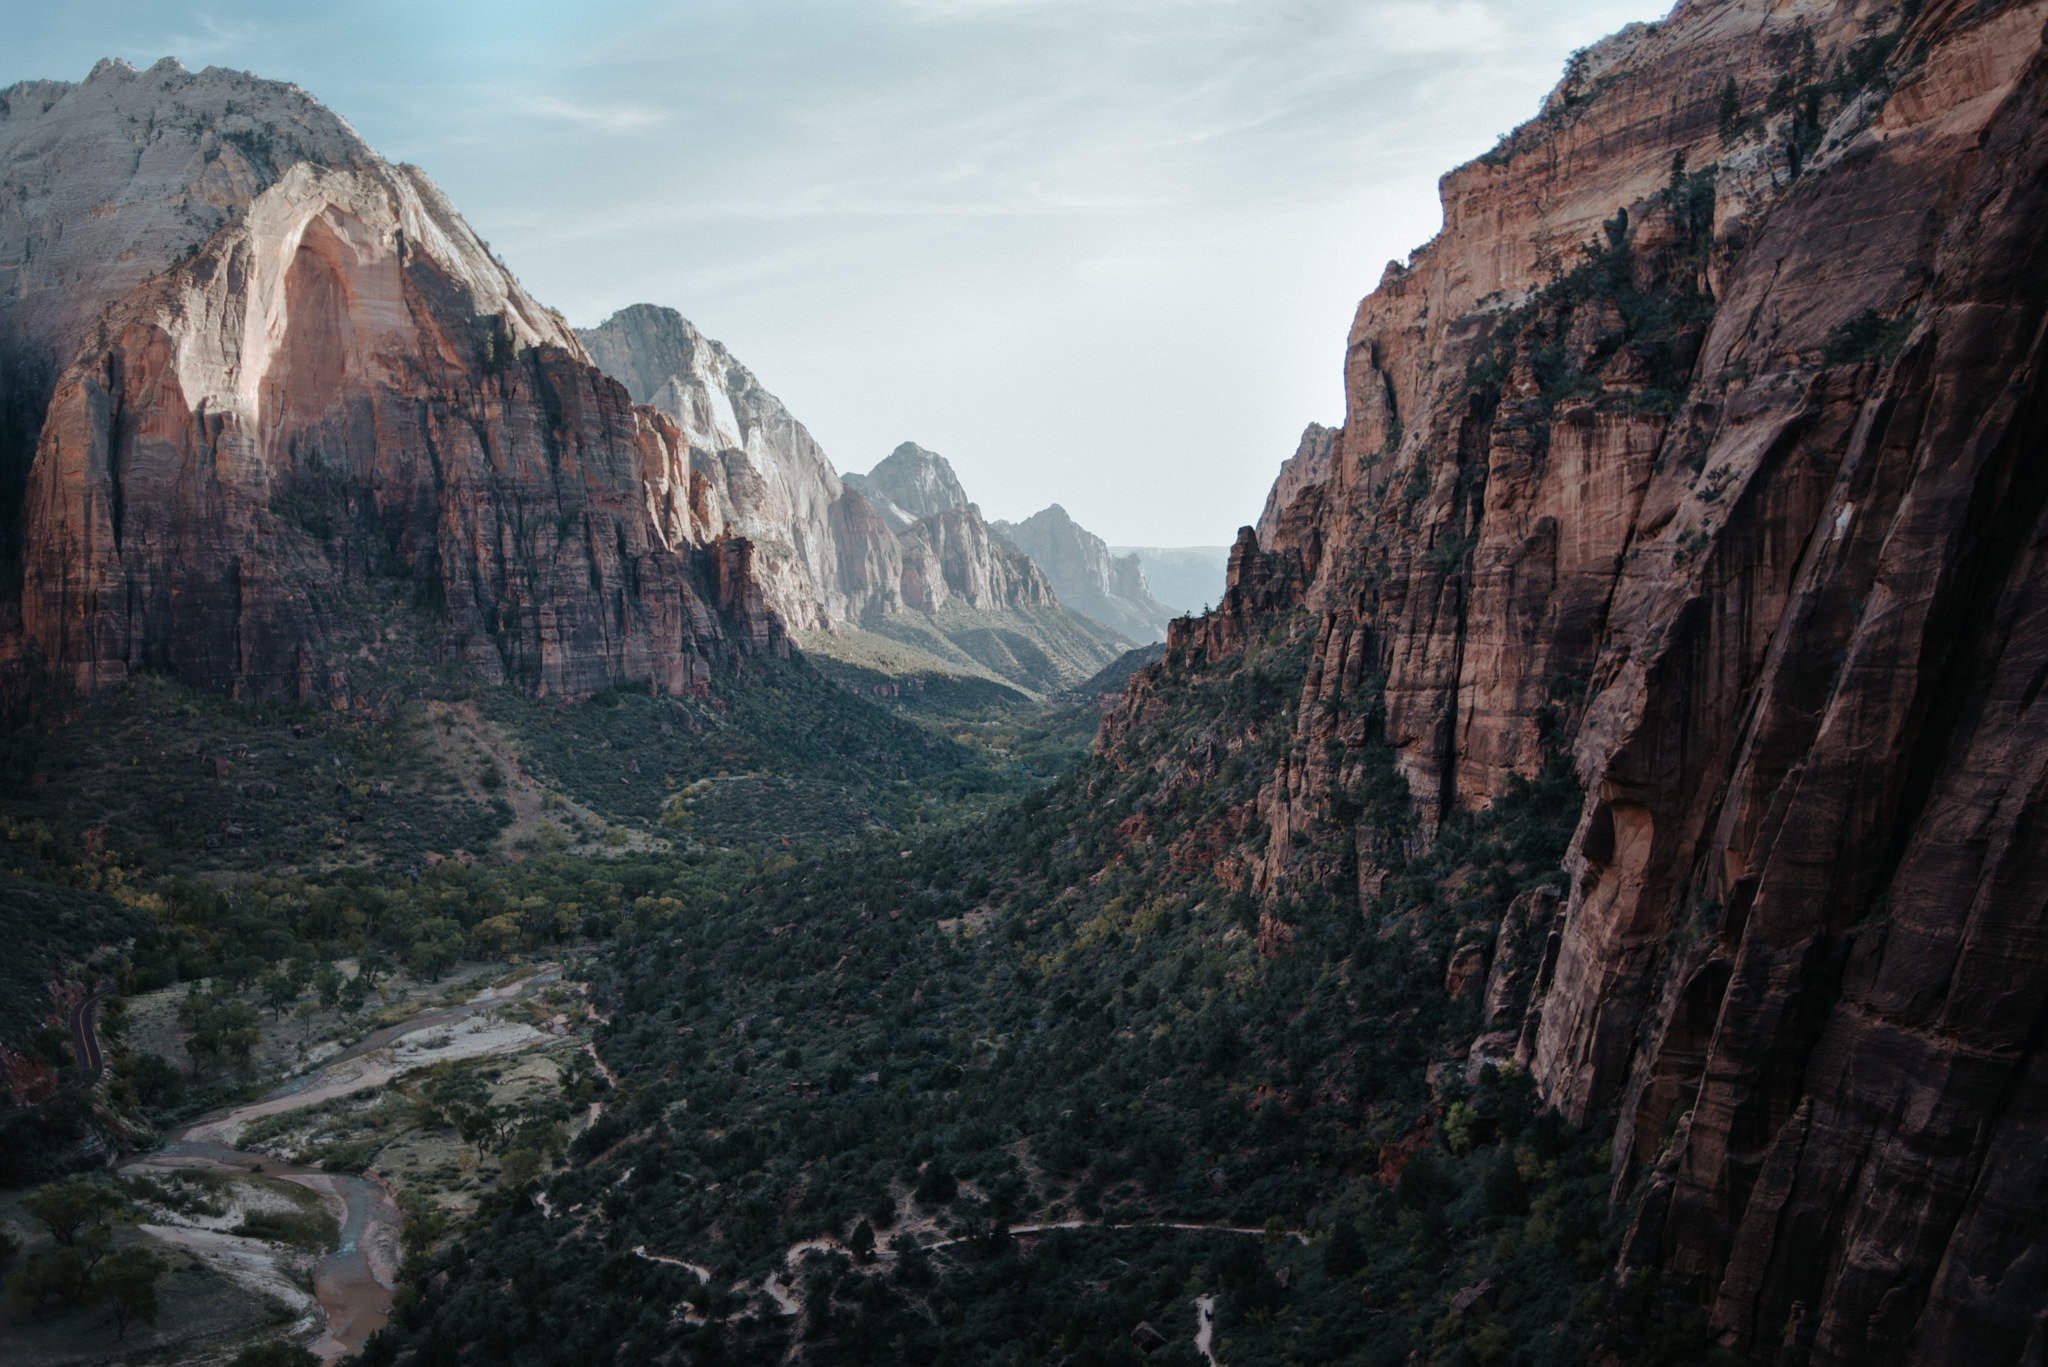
(364, 225)
(294, 321)
(109, 181)
(1108, 588)
(911, 484)
(829, 549)
(262, 370)
(756, 469)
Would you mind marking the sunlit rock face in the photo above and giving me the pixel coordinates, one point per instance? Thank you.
(1744, 515)
(756, 468)
(306, 388)
(829, 549)
(911, 484)
(1110, 589)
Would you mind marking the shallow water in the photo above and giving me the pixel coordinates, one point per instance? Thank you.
(353, 1283)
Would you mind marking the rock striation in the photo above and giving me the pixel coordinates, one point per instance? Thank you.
(1111, 589)
(1702, 449)
(752, 467)
(900, 552)
(259, 387)
(305, 388)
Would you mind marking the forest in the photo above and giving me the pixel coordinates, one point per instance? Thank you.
(984, 1068)
(1025, 1091)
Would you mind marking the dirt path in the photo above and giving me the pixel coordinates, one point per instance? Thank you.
(1205, 1328)
(788, 1297)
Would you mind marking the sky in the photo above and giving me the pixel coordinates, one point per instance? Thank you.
(1102, 253)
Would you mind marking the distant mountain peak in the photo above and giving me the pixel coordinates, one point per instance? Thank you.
(1088, 578)
(910, 484)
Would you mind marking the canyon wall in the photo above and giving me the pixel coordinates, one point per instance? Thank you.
(1110, 589)
(1308, 466)
(1702, 451)
(830, 549)
(308, 439)
(274, 420)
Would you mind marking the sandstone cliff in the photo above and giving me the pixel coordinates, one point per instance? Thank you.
(1703, 445)
(304, 392)
(1110, 589)
(753, 467)
(1309, 465)
(830, 549)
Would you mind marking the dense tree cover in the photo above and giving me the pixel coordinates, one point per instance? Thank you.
(84, 1269)
(775, 754)
(1037, 1020)
(44, 928)
(164, 836)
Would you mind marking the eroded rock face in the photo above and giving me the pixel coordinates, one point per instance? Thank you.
(1745, 515)
(1110, 589)
(108, 182)
(762, 473)
(1309, 465)
(951, 557)
(827, 549)
(911, 484)
(338, 403)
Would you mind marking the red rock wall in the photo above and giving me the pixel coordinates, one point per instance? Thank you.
(1787, 614)
(314, 422)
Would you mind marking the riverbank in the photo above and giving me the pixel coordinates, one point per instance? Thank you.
(336, 1298)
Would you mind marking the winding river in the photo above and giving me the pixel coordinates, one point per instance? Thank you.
(352, 1283)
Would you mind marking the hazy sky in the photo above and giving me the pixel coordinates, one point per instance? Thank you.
(1096, 252)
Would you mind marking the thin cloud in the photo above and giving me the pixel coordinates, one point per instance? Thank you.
(613, 119)
(212, 38)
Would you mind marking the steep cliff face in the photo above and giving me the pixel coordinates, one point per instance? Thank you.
(107, 183)
(1309, 465)
(753, 466)
(333, 402)
(1702, 447)
(950, 556)
(1110, 589)
(829, 550)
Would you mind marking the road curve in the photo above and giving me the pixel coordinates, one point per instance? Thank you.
(85, 1037)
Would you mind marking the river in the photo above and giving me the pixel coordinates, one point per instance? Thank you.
(352, 1283)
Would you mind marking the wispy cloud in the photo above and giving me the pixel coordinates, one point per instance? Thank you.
(209, 37)
(1103, 251)
(611, 118)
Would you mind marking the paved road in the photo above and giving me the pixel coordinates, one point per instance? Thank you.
(85, 1038)
(85, 1048)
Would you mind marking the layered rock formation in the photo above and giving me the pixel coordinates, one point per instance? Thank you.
(1703, 445)
(753, 467)
(830, 549)
(304, 388)
(260, 387)
(1110, 589)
